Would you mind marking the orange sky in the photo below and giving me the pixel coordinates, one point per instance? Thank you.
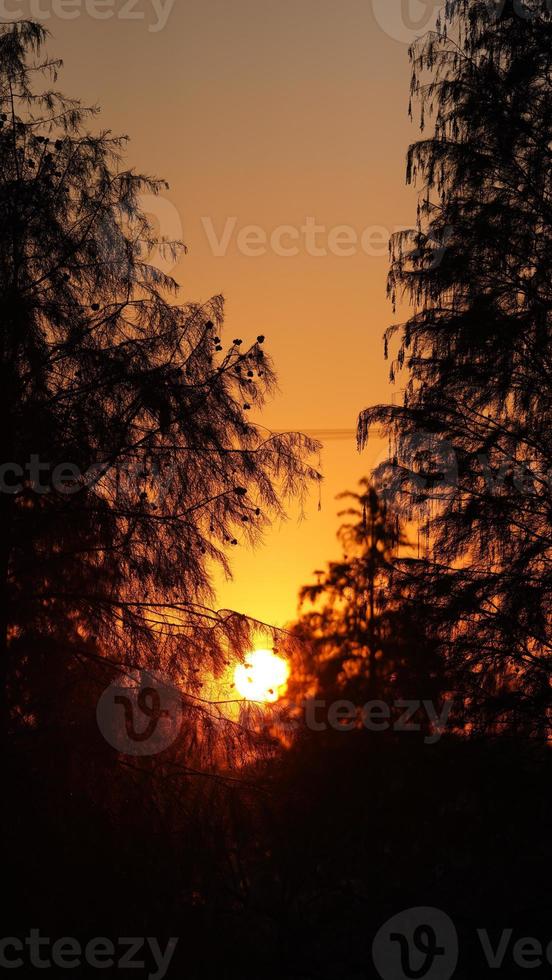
(268, 113)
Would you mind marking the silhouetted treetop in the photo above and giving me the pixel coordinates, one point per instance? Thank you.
(470, 447)
(102, 368)
(360, 637)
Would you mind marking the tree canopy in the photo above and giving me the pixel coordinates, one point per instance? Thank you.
(360, 637)
(134, 464)
(476, 350)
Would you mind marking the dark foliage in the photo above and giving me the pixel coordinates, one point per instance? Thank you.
(471, 453)
(361, 638)
(104, 374)
(283, 870)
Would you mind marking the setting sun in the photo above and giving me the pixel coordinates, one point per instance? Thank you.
(262, 677)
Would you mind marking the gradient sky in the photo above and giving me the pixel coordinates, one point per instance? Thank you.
(270, 113)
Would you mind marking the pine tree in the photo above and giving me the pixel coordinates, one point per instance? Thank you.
(102, 368)
(359, 637)
(476, 348)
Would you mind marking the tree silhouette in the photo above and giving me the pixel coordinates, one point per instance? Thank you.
(471, 450)
(361, 639)
(104, 374)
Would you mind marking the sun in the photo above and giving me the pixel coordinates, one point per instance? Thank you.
(262, 676)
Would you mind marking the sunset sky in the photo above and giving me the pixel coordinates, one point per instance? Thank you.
(268, 114)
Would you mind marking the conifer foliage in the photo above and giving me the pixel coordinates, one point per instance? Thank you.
(476, 352)
(360, 637)
(105, 373)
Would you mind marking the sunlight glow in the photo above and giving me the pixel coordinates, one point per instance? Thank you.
(262, 677)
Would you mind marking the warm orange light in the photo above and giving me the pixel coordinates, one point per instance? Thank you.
(262, 677)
